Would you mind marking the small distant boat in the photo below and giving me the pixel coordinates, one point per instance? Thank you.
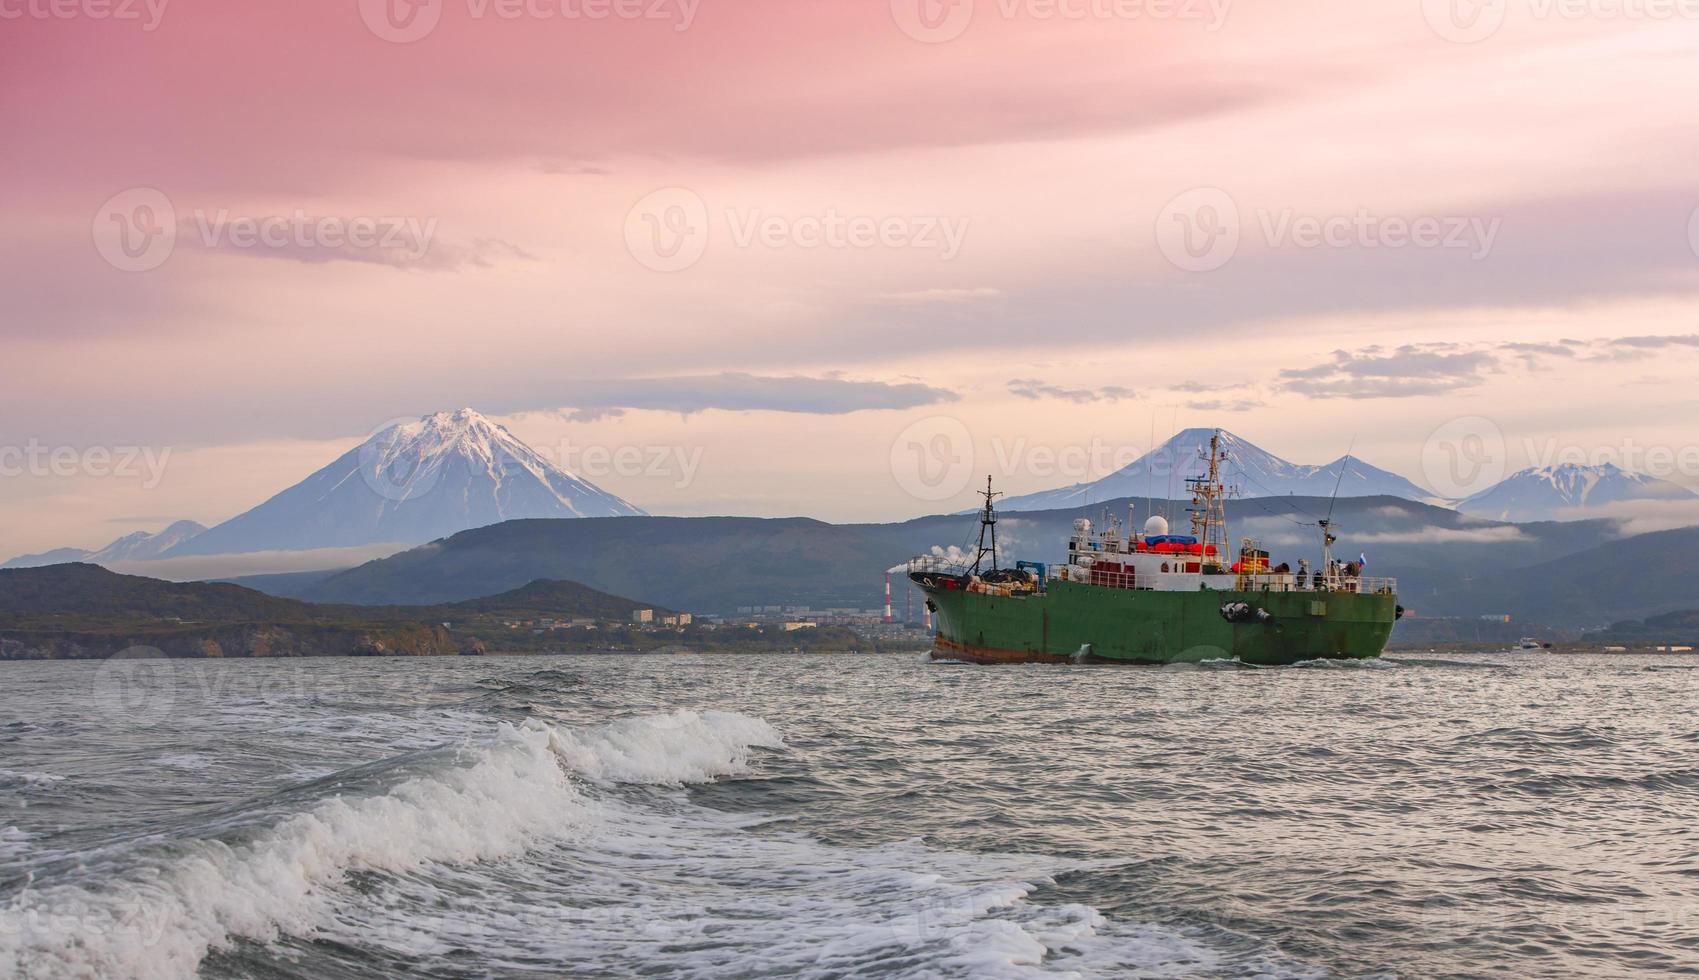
(1529, 643)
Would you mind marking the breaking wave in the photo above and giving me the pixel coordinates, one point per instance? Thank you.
(479, 803)
(542, 847)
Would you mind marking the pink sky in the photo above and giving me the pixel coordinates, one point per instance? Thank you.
(1022, 186)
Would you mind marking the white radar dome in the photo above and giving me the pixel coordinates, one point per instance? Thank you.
(1082, 526)
(1156, 527)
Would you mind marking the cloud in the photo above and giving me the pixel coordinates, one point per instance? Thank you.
(1036, 390)
(1641, 516)
(1496, 534)
(1224, 405)
(1223, 401)
(1409, 371)
(200, 568)
(1562, 349)
(593, 414)
(1656, 343)
(593, 399)
(398, 243)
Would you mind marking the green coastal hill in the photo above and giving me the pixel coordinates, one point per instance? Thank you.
(85, 611)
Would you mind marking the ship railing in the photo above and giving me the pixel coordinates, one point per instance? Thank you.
(1293, 582)
(1368, 585)
(936, 565)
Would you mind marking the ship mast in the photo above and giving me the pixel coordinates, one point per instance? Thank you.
(987, 526)
(1209, 503)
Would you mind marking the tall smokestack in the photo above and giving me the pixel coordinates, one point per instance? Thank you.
(887, 598)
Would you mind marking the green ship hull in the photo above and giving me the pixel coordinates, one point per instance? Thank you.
(1073, 622)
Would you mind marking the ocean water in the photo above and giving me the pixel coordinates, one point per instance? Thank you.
(841, 816)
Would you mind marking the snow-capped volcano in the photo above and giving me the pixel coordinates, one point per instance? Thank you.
(139, 546)
(410, 483)
(142, 546)
(1162, 473)
(1556, 492)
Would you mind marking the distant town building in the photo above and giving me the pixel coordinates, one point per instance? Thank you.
(643, 615)
(792, 627)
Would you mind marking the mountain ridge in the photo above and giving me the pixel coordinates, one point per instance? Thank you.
(716, 565)
(1550, 492)
(136, 546)
(1162, 473)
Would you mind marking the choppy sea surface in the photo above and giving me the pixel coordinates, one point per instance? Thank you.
(1526, 814)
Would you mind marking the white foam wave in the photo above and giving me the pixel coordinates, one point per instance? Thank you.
(611, 882)
(691, 892)
(12, 777)
(1354, 663)
(160, 918)
(683, 747)
(13, 842)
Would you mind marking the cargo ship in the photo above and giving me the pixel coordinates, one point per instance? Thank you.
(1154, 597)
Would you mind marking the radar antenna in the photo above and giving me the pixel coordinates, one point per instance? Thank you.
(1209, 503)
(987, 528)
(1328, 538)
